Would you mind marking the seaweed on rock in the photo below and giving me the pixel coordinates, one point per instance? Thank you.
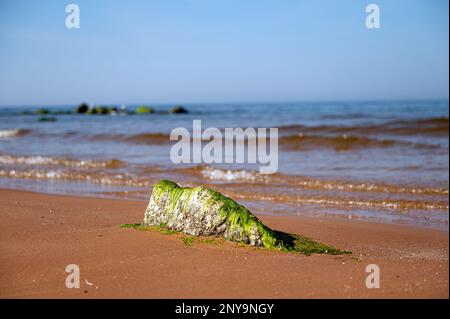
(201, 211)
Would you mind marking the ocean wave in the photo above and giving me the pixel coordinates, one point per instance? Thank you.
(437, 126)
(329, 136)
(13, 132)
(57, 161)
(73, 167)
(121, 179)
(338, 143)
(344, 116)
(148, 138)
(253, 178)
(249, 185)
(350, 203)
(143, 138)
(342, 142)
(369, 187)
(216, 174)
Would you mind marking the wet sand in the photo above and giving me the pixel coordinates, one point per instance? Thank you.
(41, 234)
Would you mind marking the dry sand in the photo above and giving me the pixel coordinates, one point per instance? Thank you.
(41, 234)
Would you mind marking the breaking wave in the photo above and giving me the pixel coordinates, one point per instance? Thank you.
(144, 138)
(240, 184)
(349, 203)
(121, 179)
(13, 132)
(216, 174)
(307, 183)
(55, 161)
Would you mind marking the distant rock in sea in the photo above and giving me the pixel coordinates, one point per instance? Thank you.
(144, 110)
(82, 108)
(41, 111)
(101, 110)
(178, 110)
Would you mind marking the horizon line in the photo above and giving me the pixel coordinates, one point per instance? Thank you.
(231, 102)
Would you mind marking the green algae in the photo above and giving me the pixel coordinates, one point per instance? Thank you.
(238, 217)
(188, 241)
(41, 111)
(307, 246)
(144, 110)
(130, 225)
(160, 229)
(168, 232)
(296, 244)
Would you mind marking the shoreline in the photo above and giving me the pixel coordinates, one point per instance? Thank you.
(337, 217)
(42, 233)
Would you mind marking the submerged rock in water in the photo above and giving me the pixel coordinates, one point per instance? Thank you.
(82, 108)
(41, 111)
(178, 109)
(201, 211)
(144, 110)
(101, 110)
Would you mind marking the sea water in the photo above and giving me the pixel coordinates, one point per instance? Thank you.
(383, 161)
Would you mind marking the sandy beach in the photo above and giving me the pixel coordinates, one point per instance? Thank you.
(41, 234)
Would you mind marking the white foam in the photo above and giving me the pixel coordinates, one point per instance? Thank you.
(10, 132)
(28, 160)
(44, 160)
(229, 175)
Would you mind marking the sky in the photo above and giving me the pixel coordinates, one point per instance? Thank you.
(200, 51)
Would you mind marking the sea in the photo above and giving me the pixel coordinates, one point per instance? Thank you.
(375, 161)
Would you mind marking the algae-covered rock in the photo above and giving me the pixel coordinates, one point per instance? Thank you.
(41, 111)
(144, 110)
(178, 109)
(113, 110)
(101, 110)
(201, 211)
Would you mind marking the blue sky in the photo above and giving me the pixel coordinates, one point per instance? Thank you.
(184, 51)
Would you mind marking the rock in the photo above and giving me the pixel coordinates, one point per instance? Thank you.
(41, 111)
(178, 110)
(201, 211)
(144, 110)
(98, 110)
(101, 110)
(82, 108)
(113, 110)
